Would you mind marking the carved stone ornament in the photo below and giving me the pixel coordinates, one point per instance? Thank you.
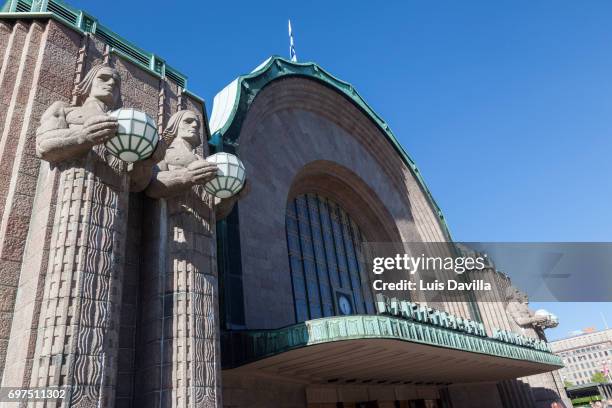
(182, 167)
(69, 132)
(186, 226)
(520, 313)
(79, 321)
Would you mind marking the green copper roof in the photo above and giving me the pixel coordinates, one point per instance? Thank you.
(251, 345)
(232, 103)
(85, 23)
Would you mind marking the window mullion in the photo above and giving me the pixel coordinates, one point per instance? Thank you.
(306, 200)
(299, 240)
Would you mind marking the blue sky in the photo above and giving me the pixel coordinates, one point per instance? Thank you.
(505, 106)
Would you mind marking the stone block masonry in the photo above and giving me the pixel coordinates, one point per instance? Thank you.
(69, 288)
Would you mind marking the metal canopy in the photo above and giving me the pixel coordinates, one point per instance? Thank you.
(379, 349)
(383, 361)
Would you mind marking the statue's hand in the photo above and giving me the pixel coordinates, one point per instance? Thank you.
(201, 171)
(541, 319)
(98, 129)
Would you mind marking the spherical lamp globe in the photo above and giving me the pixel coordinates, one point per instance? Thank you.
(230, 175)
(136, 137)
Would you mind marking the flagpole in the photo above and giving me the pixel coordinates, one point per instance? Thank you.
(292, 54)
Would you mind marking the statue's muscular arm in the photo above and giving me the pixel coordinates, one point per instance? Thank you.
(56, 142)
(523, 317)
(167, 183)
(143, 171)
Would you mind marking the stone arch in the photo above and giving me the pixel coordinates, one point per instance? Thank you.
(292, 131)
(346, 188)
(241, 101)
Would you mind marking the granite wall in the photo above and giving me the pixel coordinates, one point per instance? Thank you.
(42, 61)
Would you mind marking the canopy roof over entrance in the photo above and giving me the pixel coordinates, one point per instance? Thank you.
(379, 349)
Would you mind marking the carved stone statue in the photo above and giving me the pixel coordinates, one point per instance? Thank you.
(77, 344)
(71, 132)
(547, 388)
(185, 261)
(524, 318)
(182, 168)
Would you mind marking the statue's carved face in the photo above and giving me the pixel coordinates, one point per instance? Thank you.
(515, 295)
(189, 129)
(105, 86)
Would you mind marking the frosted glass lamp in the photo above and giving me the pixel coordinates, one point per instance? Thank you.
(136, 137)
(553, 320)
(230, 175)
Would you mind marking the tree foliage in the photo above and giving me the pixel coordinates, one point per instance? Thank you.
(599, 377)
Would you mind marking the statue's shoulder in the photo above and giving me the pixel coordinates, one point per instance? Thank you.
(162, 166)
(56, 108)
(54, 117)
(512, 306)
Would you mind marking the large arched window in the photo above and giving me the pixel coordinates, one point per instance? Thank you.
(327, 268)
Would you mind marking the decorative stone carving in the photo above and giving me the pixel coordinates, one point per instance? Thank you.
(527, 320)
(186, 264)
(546, 388)
(181, 167)
(69, 132)
(79, 320)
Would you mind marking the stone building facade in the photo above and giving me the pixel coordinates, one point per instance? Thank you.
(585, 355)
(73, 276)
(129, 286)
(312, 146)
